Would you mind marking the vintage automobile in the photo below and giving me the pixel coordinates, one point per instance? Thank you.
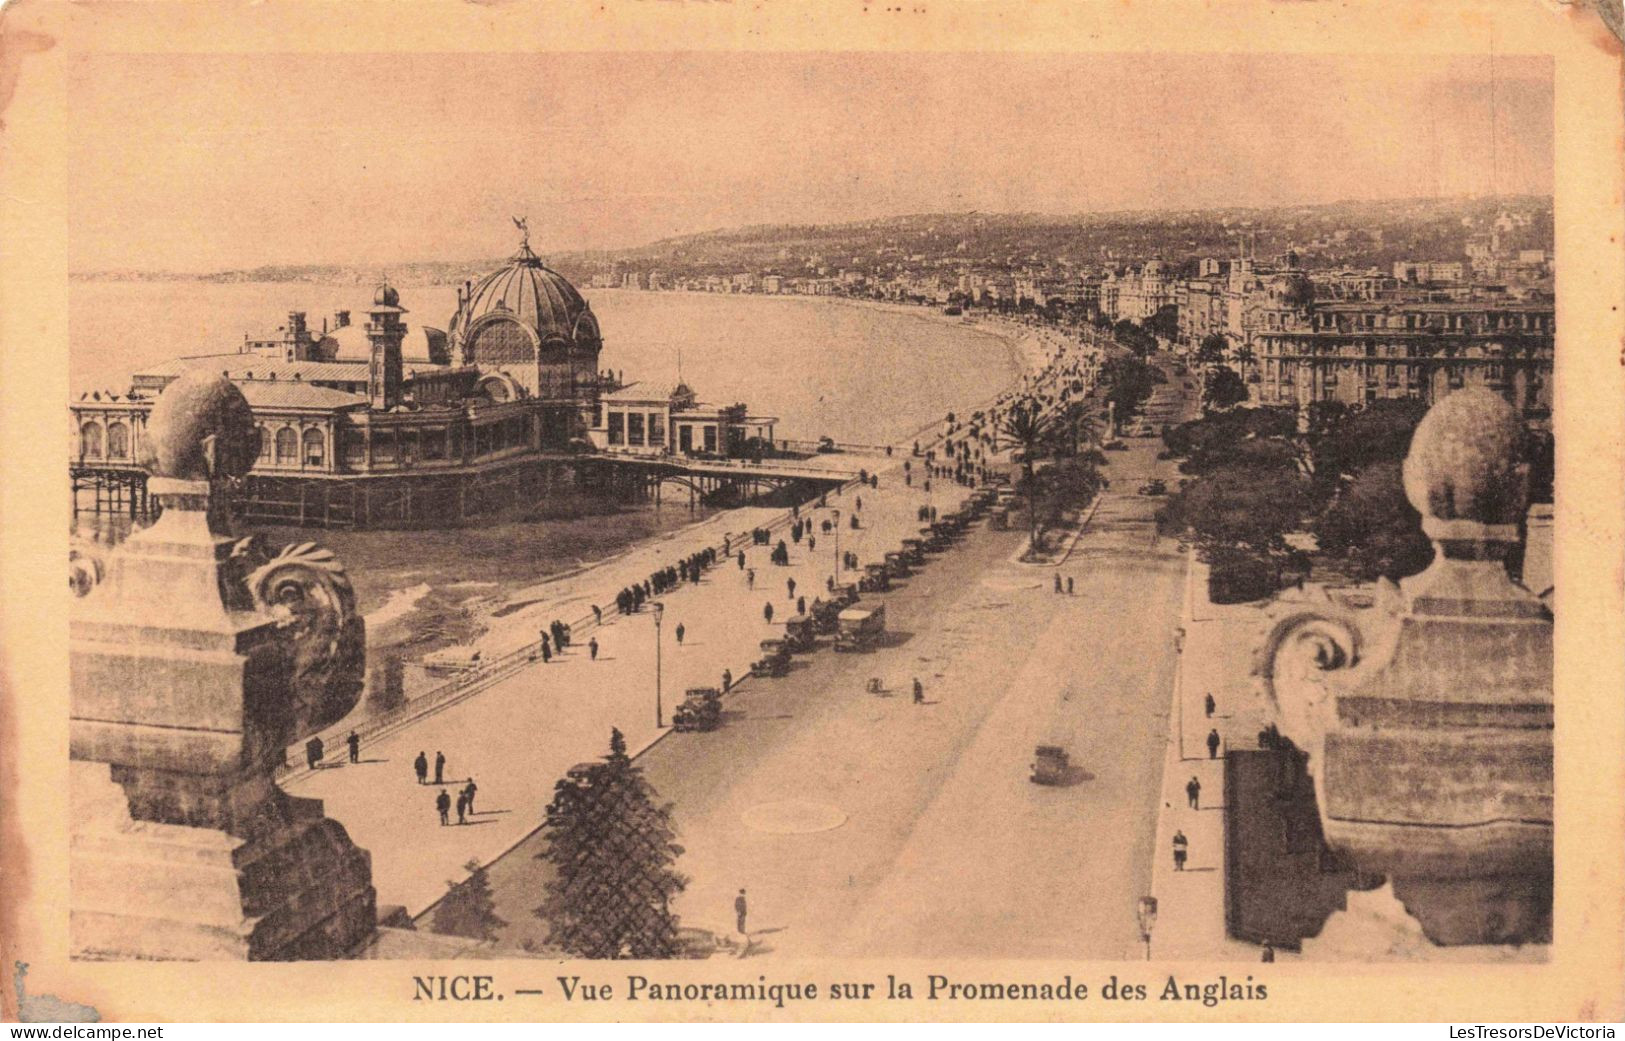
(1050, 764)
(860, 628)
(775, 659)
(824, 614)
(799, 633)
(914, 551)
(875, 579)
(1154, 487)
(845, 594)
(1000, 519)
(701, 710)
(898, 565)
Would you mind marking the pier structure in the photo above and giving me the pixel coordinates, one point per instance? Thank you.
(382, 425)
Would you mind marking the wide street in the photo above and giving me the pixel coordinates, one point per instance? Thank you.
(865, 825)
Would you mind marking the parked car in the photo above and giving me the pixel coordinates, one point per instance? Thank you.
(701, 710)
(860, 628)
(1154, 487)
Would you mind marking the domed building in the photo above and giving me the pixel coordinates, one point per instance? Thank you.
(531, 334)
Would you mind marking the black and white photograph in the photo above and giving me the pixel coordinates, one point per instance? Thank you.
(703, 506)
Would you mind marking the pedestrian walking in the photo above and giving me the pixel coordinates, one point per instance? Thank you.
(462, 807)
(801, 605)
(1181, 850)
(439, 767)
(727, 680)
(1057, 582)
(1193, 792)
(421, 765)
(812, 542)
(354, 741)
(442, 803)
(790, 584)
(592, 648)
(1209, 704)
(919, 691)
(547, 651)
(740, 908)
(313, 752)
(597, 615)
(767, 613)
(741, 560)
(1213, 744)
(750, 579)
(680, 630)
(469, 791)
(1069, 585)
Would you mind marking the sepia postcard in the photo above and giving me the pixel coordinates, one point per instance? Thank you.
(702, 511)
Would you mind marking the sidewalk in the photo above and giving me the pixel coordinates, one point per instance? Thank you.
(518, 735)
(1215, 657)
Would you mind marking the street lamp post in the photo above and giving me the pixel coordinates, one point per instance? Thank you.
(837, 546)
(1147, 914)
(660, 716)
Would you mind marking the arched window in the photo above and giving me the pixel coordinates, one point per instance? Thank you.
(90, 441)
(315, 447)
(287, 446)
(500, 342)
(118, 441)
(265, 444)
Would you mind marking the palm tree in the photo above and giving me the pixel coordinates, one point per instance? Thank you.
(1027, 427)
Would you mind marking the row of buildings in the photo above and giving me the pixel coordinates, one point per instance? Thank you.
(383, 423)
(1297, 334)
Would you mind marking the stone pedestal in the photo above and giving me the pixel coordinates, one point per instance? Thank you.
(195, 661)
(1428, 717)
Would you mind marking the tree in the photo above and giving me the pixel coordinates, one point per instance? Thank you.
(1357, 438)
(1238, 507)
(1222, 389)
(612, 851)
(1065, 485)
(468, 909)
(1165, 323)
(1127, 382)
(1027, 426)
(1373, 527)
(1212, 349)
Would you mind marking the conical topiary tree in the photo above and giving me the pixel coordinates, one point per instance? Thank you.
(467, 909)
(610, 845)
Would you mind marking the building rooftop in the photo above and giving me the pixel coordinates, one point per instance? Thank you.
(290, 394)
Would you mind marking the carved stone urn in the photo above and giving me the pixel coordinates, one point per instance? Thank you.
(196, 659)
(1427, 718)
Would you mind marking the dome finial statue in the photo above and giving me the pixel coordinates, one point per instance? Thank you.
(523, 224)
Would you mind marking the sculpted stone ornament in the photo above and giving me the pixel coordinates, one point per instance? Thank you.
(1427, 717)
(196, 661)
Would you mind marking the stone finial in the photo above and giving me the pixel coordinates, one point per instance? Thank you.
(201, 428)
(1466, 472)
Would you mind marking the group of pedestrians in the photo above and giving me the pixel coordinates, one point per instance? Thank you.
(555, 638)
(465, 803)
(443, 801)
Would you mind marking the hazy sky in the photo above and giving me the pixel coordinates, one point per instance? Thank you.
(207, 162)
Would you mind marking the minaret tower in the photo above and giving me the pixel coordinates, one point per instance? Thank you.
(385, 331)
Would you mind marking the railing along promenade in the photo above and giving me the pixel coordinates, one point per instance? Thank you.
(487, 672)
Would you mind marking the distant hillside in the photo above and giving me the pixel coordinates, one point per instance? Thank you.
(1355, 232)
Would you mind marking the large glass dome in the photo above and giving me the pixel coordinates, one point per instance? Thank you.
(525, 297)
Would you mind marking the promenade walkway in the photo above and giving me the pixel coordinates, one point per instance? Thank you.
(519, 734)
